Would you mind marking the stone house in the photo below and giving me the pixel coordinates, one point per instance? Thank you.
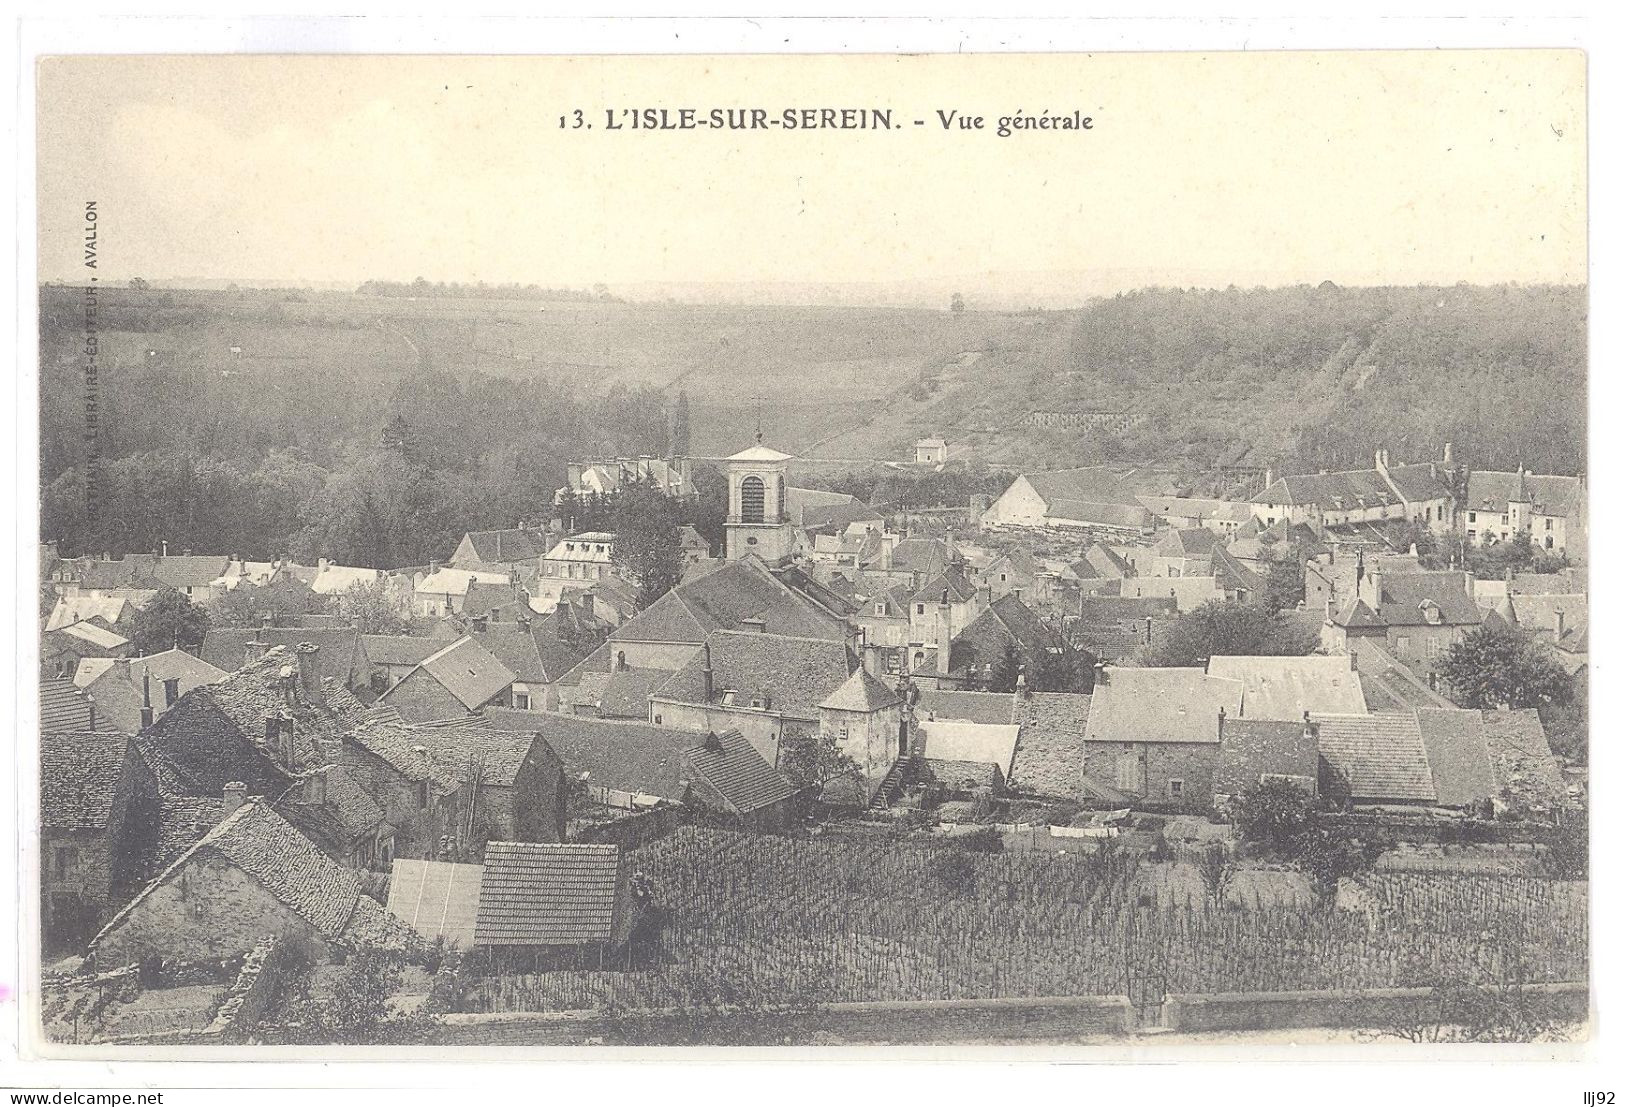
(130, 693)
(1418, 493)
(767, 687)
(1551, 510)
(1415, 616)
(342, 655)
(726, 774)
(1152, 735)
(864, 717)
(97, 803)
(459, 679)
(252, 875)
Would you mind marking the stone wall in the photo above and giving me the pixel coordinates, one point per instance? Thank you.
(1299, 1010)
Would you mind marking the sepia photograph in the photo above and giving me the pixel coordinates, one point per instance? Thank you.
(1047, 551)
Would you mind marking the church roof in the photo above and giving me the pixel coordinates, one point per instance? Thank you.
(759, 452)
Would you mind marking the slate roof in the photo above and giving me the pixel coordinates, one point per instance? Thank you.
(346, 815)
(549, 894)
(534, 655)
(1354, 489)
(926, 556)
(723, 600)
(498, 751)
(268, 849)
(640, 758)
(794, 674)
(1189, 542)
(1492, 491)
(1403, 596)
(1458, 755)
(437, 899)
(398, 649)
(1251, 748)
(861, 692)
(340, 657)
(503, 545)
(468, 671)
(79, 777)
(1377, 756)
(976, 707)
(1283, 688)
(1160, 705)
(731, 765)
(190, 572)
(64, 707)
(953, 581)
(1233, 576)
(1539, 613)
(1117, 610)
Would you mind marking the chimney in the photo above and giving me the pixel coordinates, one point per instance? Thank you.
(945, 634)
(321, 564)
(163, 548)
(707, 675)
(186, 552)
(524, 622)
(1269, 477)
(253, 650)
(1100, 674)
(232, 796)
(1221, 724)
(477, 624)
(434, 567)
(1311, 730)
(146, 690)
(755, 626)
(1449, 453)
(1359, 571)
(1557, 624)
(310, 679)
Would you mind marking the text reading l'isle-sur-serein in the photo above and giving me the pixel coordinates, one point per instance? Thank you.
(821, 119)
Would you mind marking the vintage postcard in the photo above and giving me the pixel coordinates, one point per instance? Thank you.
(1061, 551)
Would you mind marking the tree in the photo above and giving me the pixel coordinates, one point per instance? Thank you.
(370, 606)
(168, 621)
(1068, 668)
(647, 545)
(1273, 812)
(1496, 999)
(353, 1009)
(244, 605)
(957, 304)
(1224, 627)
(395, 434)
(138, 284)
(1568, 725)
(1283, 585)
(1495, 666)
(813, 760)
(681, 434)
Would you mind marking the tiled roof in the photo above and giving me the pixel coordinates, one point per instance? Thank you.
(1190, 542)
(503, 545)
(1378, 756)
(1539, 613)
(548, 894)
(976, 707)
(926, 556)
(952, 581)
(64, 707)
(625, 756)
(1527, 776)
(1405, 594)
(339, 655)
(1458, 755)
(861, 692)
(1250, 748)
(182, 820)
(535, 655)
(1283, 688)
(496, 752)
(793, 674)
(468, 671)
(1160, 705)
(398, 649)
(731, 766)
(215, 733)
(723, 600)
(1488, 490)
(1233, 576)
(436, 898)
(1354, 489)
(194, 572)
(79, 777)
(281, 860)
(346, 815)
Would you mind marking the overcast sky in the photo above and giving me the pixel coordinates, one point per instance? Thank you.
(1244, 168)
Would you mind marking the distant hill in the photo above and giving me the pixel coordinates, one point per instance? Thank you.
(1309, 377)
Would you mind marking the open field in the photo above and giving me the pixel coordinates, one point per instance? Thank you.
(869, 921)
